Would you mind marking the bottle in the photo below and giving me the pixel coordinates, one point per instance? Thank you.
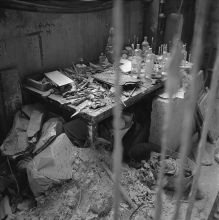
(150, 55)
(109, 46)
(190, 57)
(110, 38)
(136, 61)
(81, 66)
(150, 51)
(145, 45)
(149, 64)
(138, 51)
(184, 51)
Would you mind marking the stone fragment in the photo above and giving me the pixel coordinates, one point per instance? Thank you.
(102, 207)
(26, 205)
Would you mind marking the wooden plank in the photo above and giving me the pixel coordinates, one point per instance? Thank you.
(10, 97)
(35, 124)
(105, 112)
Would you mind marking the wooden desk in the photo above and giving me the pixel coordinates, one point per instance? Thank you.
(93, 117)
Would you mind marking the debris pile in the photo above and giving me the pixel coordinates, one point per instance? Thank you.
(148, 173)
(54, 179)
(35, 155)
(138, 191)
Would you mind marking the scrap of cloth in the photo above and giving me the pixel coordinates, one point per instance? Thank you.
(77, 132)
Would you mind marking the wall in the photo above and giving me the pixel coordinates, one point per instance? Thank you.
(211, 39)
(40, 42)
(151, 19)
(213, 25)
(212, 32)
(37, 42)
(188, 12)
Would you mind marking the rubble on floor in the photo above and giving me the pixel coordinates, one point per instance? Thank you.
(58, 180)
(88, 195)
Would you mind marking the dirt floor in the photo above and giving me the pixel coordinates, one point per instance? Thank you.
(88, 196)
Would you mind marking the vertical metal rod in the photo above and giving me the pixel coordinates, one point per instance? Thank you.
(117, 154)
(202, 143)
(191, 103)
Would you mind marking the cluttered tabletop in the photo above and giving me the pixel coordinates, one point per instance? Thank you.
(92, 95)
(88, 89)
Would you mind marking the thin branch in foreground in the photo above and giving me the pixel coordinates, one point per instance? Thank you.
(202, 143)
(172, 86)
(191, 103)
(117, 154)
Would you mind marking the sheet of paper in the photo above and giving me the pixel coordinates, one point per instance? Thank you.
(126, 67)
(58, 78)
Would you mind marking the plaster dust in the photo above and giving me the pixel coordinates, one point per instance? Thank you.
(88, 196)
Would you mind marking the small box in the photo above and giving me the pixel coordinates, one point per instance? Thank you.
(36, 81)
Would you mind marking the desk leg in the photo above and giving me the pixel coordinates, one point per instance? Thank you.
(92, 132)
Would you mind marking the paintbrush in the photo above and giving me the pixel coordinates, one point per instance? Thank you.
(123, 102)
(132, 92)
(75, 69)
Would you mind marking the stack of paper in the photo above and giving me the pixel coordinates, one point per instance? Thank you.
(127, 66)
(58, 78)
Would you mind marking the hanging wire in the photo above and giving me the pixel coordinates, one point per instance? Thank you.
(191, 103)
(12, 173)
(117, 154)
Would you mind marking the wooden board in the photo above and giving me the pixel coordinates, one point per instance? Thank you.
(213, 133)
(109, 78)
(10, 97)
(101, 113)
